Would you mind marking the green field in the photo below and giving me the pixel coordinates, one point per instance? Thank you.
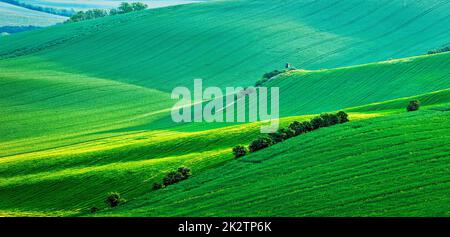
(325, 174)
(90, 4)
(85, 110)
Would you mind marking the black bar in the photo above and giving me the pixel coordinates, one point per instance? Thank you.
(125, 226)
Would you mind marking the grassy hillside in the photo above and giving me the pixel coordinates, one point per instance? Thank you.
(118, 145)
(85, 107)
(89, 4)
(361, 85)
(235, 42)
(324, 174)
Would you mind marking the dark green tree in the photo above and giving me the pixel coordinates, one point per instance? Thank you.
(78, 16)
(185, 172)
(113, 12)
(307, 126)
(278, 136)
(99, 13)
(329, 119)
(138, 6)
(297, 127)
(342, 116)
(413, 105)
(114, 199)
(172, 177)
(94, 209)
(125, 8)
(289, 132)
(239, 151)
(176, 176)
(267, 76)
(260, 143)
(317, 122)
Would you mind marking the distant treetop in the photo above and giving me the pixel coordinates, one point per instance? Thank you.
(97, 13)
(441, 50)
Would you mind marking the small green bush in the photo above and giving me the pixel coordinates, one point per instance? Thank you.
(260, 143)
(186, 172)
(342, 116)
(282, 134)
(441, 50)
(288, 133)
(172, 178)
(125, 7)
(94, 209)
(307, 126)
(329, 119)
(317, 122)
(130, 7)
(267, 76)
(300, 128)
(114, 199)
(271, 74)
(277, 136)
(176, 176)
(413, 105)
(139, 6)
(239, 151)
(297, 127)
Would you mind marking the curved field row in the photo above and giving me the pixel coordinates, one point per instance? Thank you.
(361, 85)
(324, 174)
(129, 161)
(235, 42)
(85, 107)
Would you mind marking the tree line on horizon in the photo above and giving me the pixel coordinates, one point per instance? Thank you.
(123, 8)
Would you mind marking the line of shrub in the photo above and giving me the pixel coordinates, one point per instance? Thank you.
(294, 129)
(441, 50)
(269, 75)
(114, 199)
(97, 13)
(173, 177)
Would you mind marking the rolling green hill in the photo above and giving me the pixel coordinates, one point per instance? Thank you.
(230, 43)
(324, 173)
(361, 85)
(85, 109)
(130, 160)
(102, 4)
